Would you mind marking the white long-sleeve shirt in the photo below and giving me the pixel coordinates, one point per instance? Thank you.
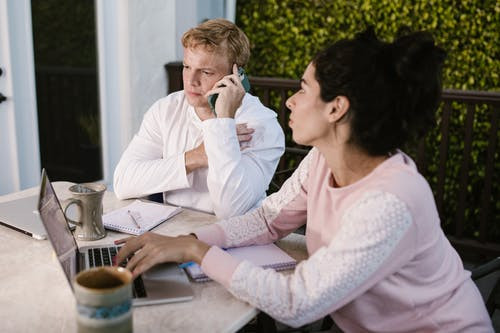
(235, 180)
(378, 259)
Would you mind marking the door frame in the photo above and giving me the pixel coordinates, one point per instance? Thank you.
(20, 147)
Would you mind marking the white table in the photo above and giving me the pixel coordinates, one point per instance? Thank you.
(35, 295)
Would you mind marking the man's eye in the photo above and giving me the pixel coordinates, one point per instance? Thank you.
(207, 73)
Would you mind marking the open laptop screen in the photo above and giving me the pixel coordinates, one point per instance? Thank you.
(57, 227)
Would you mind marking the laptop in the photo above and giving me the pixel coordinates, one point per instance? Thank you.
(22, 215)
(165, 283)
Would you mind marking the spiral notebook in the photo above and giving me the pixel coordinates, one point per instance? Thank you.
(139, 217)
(266, 256)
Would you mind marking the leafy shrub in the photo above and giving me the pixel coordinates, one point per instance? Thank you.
(286, 34)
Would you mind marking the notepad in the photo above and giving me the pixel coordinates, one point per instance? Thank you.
(266, 256)
(138, 217)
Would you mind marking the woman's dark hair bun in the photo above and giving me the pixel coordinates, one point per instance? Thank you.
(394, 88)
(415, 56)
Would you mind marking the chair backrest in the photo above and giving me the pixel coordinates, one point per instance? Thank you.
(487, 279)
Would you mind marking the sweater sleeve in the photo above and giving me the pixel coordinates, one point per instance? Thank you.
(142, 169)
(280, 213)
(354, 261)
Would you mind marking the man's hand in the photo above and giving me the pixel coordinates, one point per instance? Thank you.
(150, 249)
(244, 135)
(231, 93)
(197, 158)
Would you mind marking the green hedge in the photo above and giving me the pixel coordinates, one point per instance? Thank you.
(64, 33)
(286, 34)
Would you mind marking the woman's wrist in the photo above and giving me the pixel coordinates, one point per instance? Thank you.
(199, 251)
(195, 249)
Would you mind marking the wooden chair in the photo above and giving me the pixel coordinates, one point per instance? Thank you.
(156, 197)
(492, 297)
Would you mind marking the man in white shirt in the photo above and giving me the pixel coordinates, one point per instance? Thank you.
(219, 162)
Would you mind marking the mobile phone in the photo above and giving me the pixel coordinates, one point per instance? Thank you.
(244, 81)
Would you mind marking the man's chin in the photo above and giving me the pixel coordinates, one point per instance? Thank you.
(197, 102)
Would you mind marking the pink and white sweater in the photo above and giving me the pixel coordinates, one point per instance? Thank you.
(378, 259)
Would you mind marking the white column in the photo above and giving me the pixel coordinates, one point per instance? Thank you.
(135, 39)
(230, 10)
(19, 145)
(110, 17)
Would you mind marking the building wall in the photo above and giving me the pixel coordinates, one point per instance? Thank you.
(20, 167)
(152, 42)
(136, 39)
(155, 31)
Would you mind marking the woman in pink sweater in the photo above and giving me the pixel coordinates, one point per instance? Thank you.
(378, 259)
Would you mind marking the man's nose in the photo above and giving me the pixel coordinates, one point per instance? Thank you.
(193, 79)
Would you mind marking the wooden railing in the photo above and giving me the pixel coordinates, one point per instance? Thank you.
(459, 158)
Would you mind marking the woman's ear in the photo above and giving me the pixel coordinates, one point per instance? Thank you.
(338, 108)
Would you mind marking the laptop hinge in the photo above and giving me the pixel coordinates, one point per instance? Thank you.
(80, 261)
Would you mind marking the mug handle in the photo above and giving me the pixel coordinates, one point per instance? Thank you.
(68, 202)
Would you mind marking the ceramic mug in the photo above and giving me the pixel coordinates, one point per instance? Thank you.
(104, 300)
(88, 198)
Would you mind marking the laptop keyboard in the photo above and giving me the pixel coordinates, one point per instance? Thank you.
(104, 257)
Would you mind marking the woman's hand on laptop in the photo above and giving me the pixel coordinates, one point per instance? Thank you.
(150, 249)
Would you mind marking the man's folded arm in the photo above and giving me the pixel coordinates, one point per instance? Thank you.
(237, 180)
(142, 170)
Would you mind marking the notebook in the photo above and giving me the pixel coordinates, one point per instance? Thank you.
(164, 283)
(22, 215)
(266, 256)
(139, 217)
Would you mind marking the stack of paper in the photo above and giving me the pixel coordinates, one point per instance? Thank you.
(266, 256)
(138, 217)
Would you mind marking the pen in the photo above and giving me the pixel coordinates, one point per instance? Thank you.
(186, 264)
(133, 219)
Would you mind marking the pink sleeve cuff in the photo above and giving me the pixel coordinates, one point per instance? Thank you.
(219, 265)
(211, 234)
